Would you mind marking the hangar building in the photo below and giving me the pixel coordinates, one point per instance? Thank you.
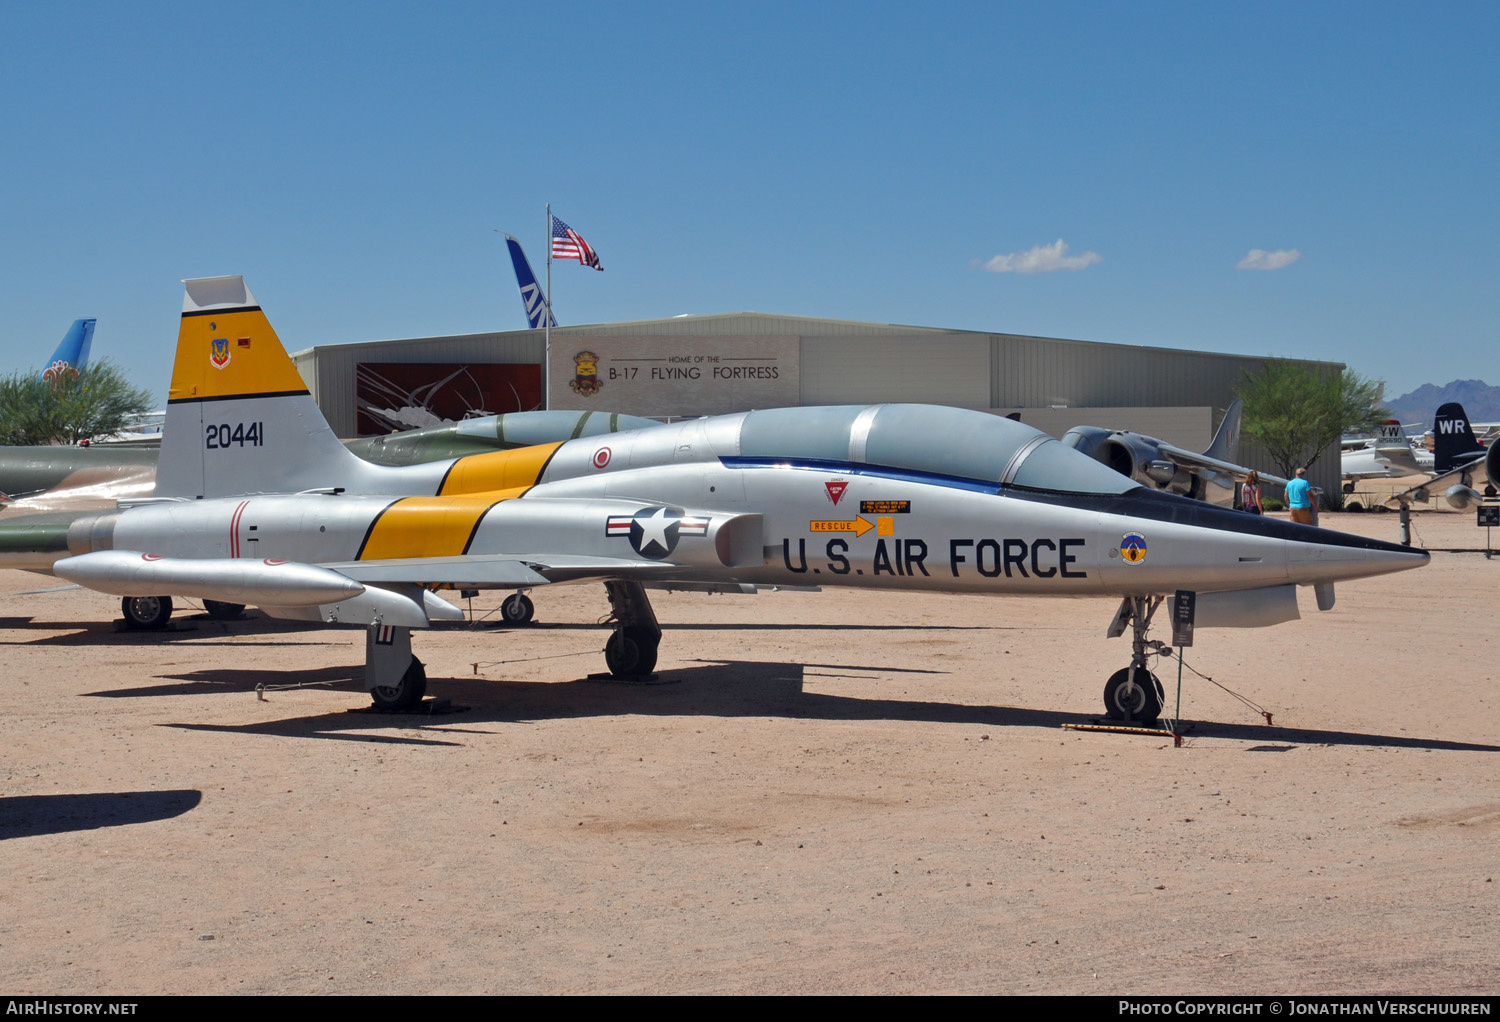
(702, 365)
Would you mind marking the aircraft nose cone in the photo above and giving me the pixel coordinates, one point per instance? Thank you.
(1314, 560)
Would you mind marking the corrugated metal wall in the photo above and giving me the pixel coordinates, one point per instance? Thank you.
(847, 362)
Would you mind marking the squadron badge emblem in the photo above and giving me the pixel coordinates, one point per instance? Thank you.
(1133, 548)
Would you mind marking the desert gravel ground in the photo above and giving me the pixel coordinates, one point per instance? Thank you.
(837, 792)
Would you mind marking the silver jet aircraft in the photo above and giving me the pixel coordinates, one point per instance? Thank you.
(257, 502)
(1389, 454)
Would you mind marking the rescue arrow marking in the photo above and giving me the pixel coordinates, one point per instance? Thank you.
(858, 526)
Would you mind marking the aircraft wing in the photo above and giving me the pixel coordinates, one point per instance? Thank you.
(1472, 476)
(501, 571)
(1194, 460)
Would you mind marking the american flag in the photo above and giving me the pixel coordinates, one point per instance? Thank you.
(569, 244)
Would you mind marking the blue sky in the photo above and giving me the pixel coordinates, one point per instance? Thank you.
(857, 161)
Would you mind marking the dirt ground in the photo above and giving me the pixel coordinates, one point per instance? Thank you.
(835, 793)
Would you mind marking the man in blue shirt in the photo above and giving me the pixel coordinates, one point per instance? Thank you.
(1299, 498)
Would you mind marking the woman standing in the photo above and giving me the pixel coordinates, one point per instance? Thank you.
(1250, 493)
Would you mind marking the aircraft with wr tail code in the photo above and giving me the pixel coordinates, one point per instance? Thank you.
(257, 502)
(1460, 461)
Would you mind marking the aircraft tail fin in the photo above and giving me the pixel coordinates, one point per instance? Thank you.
(73, 352)
(1226, 444)
(1453, 439)
(1389, 436)
(240, 419)
(538, 312)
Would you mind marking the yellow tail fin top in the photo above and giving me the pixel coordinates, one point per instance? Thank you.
(226, 347)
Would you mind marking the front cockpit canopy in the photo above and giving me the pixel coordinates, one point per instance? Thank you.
(956, 443)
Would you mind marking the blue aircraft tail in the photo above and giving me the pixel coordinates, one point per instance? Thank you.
(73, 352)
(537, 312)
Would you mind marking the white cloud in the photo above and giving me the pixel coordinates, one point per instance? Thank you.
(1260, 259)
(1042, 259)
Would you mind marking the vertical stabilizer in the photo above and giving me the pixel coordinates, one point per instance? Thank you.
(1453, 440)
(535, 301)
(1391, 438)
(73, 352)
(240, 419)
(1226, 445)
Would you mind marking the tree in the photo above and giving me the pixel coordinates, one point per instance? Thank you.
(1295, 410)
(71, 407)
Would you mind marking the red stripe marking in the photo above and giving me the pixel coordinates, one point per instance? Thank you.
(234, 529)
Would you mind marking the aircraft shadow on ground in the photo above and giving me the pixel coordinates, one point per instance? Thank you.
(200, 630)
(199, 682)
(743, 626)
(31, 815)
(737, 689)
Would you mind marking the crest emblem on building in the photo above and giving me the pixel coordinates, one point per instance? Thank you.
(218, 354)
(585, 381)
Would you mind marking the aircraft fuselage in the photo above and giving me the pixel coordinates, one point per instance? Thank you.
(667, 497)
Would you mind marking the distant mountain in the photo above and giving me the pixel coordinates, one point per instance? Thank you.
(1479, 399)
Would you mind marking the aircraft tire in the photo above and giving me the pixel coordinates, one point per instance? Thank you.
(221, 611)
(407, 694)
(1138, 702)
(631, 652)
(517, 609)
(146, 613)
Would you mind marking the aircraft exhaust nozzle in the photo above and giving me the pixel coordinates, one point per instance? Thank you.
(230, 580)
(1462, 497)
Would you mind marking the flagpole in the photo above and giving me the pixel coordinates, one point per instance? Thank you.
(547, 323)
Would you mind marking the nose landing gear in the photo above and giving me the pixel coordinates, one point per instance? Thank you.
(1133, 693)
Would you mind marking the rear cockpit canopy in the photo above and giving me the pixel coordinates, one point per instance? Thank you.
(955, 443)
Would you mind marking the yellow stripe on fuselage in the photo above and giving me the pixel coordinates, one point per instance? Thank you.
(500, 470)
(429, 526)
(249, 359)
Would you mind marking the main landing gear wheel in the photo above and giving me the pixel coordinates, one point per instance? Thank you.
(223, 611)
(631, 652)
(1127, 699)
(517, 609)
(407, 693)
(146, 613)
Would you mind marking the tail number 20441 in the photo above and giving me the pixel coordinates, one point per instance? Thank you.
(220, 436)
